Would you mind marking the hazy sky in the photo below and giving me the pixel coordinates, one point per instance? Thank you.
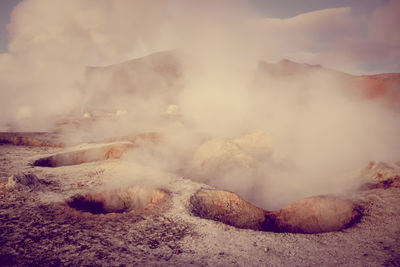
(289, 8)
(353, 36)
(266, 8)
(6, 6)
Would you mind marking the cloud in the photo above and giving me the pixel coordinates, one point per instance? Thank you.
(335, 37)
(92, 32)
(384, 23)
(52, 43)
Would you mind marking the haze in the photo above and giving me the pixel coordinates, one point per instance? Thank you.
(319, 131)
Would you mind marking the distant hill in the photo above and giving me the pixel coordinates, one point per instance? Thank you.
(155, 74)
(287, 67)
(161, 74)
(385, 86)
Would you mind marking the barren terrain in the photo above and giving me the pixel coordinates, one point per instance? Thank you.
(38, 226)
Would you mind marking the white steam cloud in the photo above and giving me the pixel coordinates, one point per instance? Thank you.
(210, 86)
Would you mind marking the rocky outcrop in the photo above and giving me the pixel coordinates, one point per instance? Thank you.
(94, 152)
(218, 158)
(312, 215)
(379, 174)
(117, 200)
(226, 207)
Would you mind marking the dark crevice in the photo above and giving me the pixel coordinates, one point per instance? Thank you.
(83, 204)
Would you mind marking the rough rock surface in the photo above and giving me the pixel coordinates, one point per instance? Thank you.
(226, 207)
(118, 200)
(381, 175)
(217, 157)
(90, 153)
(312, 215)
(220, 158)
(257, 144)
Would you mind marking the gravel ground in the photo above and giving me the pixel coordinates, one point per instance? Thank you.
(38, 228)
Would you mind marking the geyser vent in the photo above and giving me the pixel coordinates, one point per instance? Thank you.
(118, 200)
(317, 214)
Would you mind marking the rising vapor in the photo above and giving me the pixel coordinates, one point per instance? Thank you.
(196, 72)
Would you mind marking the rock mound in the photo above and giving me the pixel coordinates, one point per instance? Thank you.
(256, 144)
(311, 215)
(216, 157)
(381, 175)
(226, 207)
(96, 152)
(117, 200)
(219, 158)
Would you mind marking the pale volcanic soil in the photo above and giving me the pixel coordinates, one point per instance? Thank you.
(39, 228)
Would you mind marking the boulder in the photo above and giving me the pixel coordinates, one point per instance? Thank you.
(222, 158)
(311, 215)
(226, 207)
(217, 158)
(256, 144)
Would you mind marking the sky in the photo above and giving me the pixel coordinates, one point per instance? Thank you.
(6, 6)
(265, 8)
(359, 37)
(290, 8)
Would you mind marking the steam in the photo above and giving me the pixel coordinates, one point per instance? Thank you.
(66, 60)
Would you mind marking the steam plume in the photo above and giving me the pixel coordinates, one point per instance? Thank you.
(319, 131)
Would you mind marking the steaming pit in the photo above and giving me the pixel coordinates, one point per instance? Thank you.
(311, 215)
(118, 200)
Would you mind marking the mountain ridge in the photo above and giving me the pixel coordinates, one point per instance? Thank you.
(162, 72)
